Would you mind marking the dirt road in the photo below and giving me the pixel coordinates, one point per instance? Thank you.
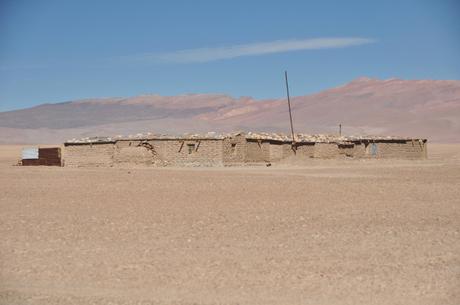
(333, 232)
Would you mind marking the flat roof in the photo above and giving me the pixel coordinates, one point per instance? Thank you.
(262, 136)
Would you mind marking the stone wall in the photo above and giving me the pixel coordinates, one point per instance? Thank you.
(89, 155)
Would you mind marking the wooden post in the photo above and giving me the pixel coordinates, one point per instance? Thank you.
(290, 112)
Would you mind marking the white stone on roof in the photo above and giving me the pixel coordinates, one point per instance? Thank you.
(91, 140)
(300, 137)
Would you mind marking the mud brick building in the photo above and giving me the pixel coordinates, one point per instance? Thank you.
(213, 149)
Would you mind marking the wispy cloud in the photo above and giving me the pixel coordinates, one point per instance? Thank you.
(219, 53)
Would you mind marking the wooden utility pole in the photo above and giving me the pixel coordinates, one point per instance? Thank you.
(289, 106)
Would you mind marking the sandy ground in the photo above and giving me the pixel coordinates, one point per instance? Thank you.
(332, 232)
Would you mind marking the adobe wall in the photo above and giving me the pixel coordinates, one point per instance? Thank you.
(89, 155)
(346, 150)
(302, 151)
(279, 151)
(132, 153)
(326, 150)
(359, 150)
(305, 150)
(276, 152)
(287, 150)
(234, 150)
(168, 152)
(206, 152)
(257, 151)
(397, 150)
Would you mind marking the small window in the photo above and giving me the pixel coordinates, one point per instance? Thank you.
(233, 148)
(191, 148)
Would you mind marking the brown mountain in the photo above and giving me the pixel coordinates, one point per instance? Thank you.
(417, 108)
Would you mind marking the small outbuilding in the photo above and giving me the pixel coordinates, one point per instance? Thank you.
(34, 156)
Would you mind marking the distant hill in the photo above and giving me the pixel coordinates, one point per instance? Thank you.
(416, 108)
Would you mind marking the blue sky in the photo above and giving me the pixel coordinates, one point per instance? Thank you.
(55, 51)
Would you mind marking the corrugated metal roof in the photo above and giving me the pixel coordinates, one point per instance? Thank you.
(30, 153)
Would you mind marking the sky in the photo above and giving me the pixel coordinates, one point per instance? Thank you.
(57, 51)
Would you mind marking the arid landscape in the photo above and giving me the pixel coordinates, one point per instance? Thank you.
(230, 152)
(326, 232)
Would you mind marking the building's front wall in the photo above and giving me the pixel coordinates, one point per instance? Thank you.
(168, 152)
(359, 150)
(276, 151)
(257, 151)
(174, 152)
(326, 150)
(230, 151)
(89, 155)
(234, 150)
(346, 150)
(410, 149)
(132, 153)
(305, 150)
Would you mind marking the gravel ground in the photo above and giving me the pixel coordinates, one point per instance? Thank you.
(328, 232)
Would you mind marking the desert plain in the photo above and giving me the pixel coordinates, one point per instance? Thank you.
(324, 232)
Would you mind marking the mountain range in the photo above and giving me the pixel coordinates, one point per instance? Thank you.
(415, 108)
